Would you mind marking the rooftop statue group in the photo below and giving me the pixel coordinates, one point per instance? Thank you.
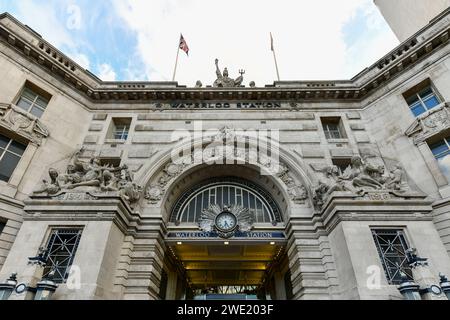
(85, 174)
(358, 177)
(223, 80)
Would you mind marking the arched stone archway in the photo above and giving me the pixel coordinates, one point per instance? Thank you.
(290, 176)
(292, 186)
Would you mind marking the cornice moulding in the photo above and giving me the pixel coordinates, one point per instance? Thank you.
(412, 51)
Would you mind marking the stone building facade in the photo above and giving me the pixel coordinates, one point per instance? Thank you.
(154, 190)
(406, 17)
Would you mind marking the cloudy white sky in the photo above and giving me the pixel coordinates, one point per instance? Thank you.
(138, 39)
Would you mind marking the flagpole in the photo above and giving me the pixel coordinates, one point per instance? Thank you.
(176, 62)
(274, 56)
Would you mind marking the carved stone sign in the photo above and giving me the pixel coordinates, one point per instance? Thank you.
(224, 105)
(201, 235)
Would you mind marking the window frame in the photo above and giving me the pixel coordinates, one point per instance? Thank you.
(335, 121)
(119, 129)
(38, 94)
(5, 150)
(414, 94)
(51, 266)
(405, 243)
(443, 153)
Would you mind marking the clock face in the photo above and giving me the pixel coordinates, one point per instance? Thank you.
(436, 290)
(226, 221)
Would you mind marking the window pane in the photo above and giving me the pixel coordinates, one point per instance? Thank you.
(2, 226)
(7, 166)
(42, 102)
(439, 148)
(413, 99)
(417, 108)
(3, 141)
(426, 92)
(444, 165)
(431, 101)
(24, 104)
(17, 148)
(35, 111)
(29, 94)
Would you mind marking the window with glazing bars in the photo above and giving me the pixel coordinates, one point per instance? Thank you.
(391, 245)
(61, 249)
(120, 128)
(333, 128)
(33, 102)
(423, 100)
(11, 152)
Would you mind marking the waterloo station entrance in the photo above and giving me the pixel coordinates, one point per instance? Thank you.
(225, 240)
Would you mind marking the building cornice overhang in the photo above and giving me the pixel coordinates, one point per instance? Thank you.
(31, 45)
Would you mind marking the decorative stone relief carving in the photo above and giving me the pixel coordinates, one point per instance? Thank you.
(361, 178)
(430, 123)
(22, 123)
(297, 192)
(154, 193)
(91, 177)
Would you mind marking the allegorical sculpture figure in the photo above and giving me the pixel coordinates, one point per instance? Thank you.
(92, 174)
(52, 187)
(329, 184)
(364, 174)
(360, 176)
(223, 80)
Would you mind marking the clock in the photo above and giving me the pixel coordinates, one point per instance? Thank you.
(226, 221)
(21, 288)
(435, 290)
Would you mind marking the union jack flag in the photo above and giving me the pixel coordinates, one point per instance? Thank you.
(183, 45)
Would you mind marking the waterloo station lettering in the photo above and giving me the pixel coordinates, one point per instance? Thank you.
(226, 105)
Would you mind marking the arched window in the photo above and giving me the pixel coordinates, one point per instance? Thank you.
(226, 192)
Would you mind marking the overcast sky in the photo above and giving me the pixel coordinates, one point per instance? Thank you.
(138, 39)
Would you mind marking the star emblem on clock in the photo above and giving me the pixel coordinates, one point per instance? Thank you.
(225, 221)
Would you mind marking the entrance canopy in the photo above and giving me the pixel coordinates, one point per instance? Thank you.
(209, 266)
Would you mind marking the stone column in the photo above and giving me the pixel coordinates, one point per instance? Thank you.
(280, 287)
(172, 280)
(145, 270)
(308, 274)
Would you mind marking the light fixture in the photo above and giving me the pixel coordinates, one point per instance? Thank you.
(226, 243)
(46, 287)
(179, 243)
(272, 243)
(7, 287)
(445, 285)
(408, 288)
